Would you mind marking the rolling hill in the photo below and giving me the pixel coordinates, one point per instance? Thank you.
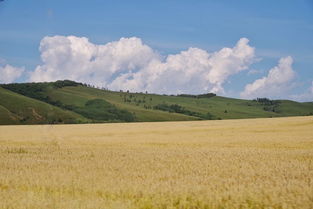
(18, 109)
(72, 102)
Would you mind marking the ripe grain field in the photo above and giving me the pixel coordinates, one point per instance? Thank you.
(251, 163)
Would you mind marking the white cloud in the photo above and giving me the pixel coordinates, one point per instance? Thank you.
(275, 84)
(77, 59)
(9, 74)
(254, 71)
(306, 96)
(129, 64)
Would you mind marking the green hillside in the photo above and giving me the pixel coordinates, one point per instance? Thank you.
(71, 102)
(18, 109)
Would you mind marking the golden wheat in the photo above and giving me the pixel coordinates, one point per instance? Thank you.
(254, 163)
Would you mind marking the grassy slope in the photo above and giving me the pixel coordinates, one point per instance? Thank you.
(291, 108)
(6, 117)
(236, 108)
(80, 95)
(18, 109)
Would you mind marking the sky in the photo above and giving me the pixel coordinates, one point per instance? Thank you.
(242, 49)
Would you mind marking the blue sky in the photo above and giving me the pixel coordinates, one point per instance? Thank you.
(276, 29)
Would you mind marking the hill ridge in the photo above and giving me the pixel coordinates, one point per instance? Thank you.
(73, 102)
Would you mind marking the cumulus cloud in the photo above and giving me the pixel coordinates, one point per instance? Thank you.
(274, 84)
(77, 59)
(306, 96)
(9, 74)
(129, 64)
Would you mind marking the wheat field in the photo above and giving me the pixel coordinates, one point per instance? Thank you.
(252, 163)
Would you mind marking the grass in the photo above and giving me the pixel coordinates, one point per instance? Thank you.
(18, 109)
(81, 94)
(235, 108)
(65, 101)
(251, 163)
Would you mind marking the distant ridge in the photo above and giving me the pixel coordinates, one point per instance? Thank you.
(72, 102)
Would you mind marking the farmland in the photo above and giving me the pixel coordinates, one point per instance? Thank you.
(246, 163)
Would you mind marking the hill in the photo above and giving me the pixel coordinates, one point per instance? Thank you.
(72, 102)
(18, 109)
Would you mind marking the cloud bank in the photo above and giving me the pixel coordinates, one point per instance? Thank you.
(129, 64)
(8, 73)
(275, 84)
(306, 96)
